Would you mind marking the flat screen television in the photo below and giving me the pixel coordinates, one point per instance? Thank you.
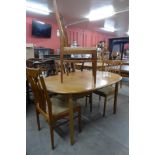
(41, 29)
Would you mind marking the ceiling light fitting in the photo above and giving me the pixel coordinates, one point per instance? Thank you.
(37, 8)
(101, 13)
(110, 29)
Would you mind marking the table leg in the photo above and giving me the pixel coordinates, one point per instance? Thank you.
(94, 66)
(115, 98)
(71, 120)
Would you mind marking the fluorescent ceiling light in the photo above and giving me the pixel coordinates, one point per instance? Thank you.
(109, 25)
(127, 33)
(101, 13)
(37, 8)
(37, 11)
(110, 29)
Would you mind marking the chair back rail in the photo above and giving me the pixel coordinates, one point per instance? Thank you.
(113, 66)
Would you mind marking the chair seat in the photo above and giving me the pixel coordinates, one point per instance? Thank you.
(109, 90)
(59, 105)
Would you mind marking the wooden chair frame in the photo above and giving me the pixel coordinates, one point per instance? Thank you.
(113, 66)
(43, 103)
(66, 50)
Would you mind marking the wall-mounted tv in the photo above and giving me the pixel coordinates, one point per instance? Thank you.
(41, 29)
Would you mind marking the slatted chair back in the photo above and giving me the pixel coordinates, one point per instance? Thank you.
(29, 63)
(113, 66)
(41, 97)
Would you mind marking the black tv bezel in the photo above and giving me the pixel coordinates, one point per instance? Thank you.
(40, 35)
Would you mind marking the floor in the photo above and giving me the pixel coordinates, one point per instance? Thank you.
(106, 136)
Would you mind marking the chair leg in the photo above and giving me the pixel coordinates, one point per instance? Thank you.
(86, 102)
(104, 108)
(38, 121)
(79, 119)
(115, 98)
(52, 136)
(90, 102)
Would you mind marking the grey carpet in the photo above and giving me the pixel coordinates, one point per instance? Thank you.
(106, 136)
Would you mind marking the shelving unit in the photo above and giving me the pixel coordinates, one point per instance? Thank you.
(43, 52)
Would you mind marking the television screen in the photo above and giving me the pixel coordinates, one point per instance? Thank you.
(41, 29)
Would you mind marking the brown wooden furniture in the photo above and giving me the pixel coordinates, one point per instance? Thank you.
(88, 65)
(51, 111)
(67, 67)
(66, 50)
(125, 62)
(125, 70)
(47, 65)
(76, 83)
(101, 65)
(115, 67)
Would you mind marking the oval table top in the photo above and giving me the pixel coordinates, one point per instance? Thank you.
(80, 82)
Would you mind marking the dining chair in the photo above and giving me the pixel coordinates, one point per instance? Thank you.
(66, 50)
(124, 72)
(52, 109)
(113, 66)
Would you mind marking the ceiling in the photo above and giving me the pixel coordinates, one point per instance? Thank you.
(74, 12)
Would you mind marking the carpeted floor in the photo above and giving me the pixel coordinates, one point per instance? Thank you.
(106, 136)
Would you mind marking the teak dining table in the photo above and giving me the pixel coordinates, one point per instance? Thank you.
(79, 82)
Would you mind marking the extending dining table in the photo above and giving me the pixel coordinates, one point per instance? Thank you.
(79, 82)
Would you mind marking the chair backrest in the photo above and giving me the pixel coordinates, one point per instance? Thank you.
(41, 97)
(29, 63)
(66, 50)
(63, 32)
(113, 66)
